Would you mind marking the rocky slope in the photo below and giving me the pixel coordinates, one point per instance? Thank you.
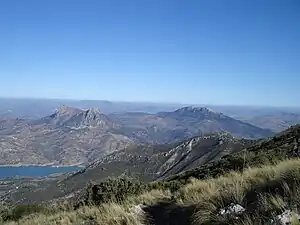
(10, 125)
(152, 162)
(69, 136)
(283, 146)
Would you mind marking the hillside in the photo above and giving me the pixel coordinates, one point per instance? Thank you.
(263, 190)
(160, 161)
(76, 136)
(172, 163)
(282, 146)
(148, 163)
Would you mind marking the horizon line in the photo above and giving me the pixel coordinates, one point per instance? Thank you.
(149, 102)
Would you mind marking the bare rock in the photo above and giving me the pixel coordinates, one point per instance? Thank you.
(232, 210)
(138, 209)
(286, 218)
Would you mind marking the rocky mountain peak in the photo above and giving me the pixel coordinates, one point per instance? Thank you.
(67, 110)
(192, 111)
(93, 111)
(78, 118)
(93, 116)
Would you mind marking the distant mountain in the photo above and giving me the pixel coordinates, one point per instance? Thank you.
(78, 118)
(166, 127)
(69, 136)
(207, 121)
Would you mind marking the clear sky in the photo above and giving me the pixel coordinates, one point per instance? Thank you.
(237, 52)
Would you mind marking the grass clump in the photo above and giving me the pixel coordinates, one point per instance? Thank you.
(107, 214)
(266, 191)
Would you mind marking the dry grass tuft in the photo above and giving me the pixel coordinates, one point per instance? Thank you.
(151, 197)
(269, 189)
(107, 214)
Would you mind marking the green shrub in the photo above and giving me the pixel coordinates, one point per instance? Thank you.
(113, 190)
(172, 186)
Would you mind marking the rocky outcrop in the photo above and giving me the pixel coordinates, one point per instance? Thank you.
(78, 118)
(233, 210)
(286, 218)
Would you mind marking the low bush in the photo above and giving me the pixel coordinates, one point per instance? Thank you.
(20, 211)
(113, 190)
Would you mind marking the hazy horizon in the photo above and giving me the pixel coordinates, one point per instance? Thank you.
(151, 103)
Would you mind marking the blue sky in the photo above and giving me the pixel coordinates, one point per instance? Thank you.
(235, 52)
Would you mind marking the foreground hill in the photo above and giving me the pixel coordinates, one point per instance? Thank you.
(76, 136)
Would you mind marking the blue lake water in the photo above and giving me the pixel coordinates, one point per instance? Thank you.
(34, 171)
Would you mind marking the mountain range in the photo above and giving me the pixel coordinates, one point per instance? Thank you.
(161, 147)
(33, 109)
(77, 136)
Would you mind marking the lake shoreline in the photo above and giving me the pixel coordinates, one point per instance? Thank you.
(36, 171)
(42, 165)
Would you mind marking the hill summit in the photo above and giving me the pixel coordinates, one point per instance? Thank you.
(78, 118)
(198, 112)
